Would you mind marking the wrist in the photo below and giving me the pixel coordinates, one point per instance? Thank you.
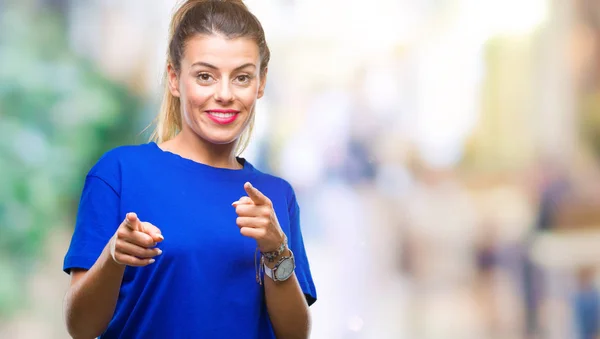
(271, 257)
(109, 259)
(271, 263)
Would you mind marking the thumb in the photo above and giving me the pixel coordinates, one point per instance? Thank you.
(243, 201)
(153, 231)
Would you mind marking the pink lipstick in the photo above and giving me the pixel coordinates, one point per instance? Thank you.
(222, 116)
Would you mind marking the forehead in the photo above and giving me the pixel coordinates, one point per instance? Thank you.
(220, 51)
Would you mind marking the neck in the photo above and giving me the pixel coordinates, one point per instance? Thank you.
(190, 146)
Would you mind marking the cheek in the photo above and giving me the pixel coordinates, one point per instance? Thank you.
(195, 95)
(248, 96)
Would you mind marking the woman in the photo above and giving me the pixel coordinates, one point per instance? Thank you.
(156, 252)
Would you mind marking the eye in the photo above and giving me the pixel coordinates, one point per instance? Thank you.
(243, 79)
(204, 77)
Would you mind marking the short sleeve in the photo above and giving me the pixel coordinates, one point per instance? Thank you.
(97, 219)
(296, 243)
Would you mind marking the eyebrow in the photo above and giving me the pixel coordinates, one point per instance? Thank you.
(205, 64)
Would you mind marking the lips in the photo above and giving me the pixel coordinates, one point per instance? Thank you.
(223, 117)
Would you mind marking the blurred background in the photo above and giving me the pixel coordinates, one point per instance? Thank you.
(445, 153)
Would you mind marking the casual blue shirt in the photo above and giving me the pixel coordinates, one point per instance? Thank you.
(587, 313)
(204, 283)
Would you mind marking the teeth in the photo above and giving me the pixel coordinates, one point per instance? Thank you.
(222, 115)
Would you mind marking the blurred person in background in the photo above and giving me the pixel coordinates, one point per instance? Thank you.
(553, 185)
(586, 305)
(155, 252)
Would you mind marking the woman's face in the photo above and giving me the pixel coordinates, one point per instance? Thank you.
(218, 85)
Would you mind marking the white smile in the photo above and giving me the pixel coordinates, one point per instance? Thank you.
(222, 115)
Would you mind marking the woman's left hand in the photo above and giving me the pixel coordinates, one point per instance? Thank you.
(256, 219)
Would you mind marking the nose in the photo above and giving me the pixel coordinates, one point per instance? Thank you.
(223, 92)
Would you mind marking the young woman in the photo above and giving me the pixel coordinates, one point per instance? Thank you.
(181, 237)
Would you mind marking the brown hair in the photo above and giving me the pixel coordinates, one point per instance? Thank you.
(230, 18)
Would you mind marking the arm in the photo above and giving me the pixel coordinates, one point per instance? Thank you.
(287, 307)
(286, 304)
(92, 297)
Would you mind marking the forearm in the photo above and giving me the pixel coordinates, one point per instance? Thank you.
(287, 308)
(91, 301)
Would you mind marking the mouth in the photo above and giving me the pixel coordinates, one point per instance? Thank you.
(223, 117)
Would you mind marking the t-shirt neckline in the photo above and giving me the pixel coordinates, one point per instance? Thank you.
(198, 166)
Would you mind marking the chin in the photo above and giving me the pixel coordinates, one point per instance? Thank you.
(219, 139)
(222, 142)
(217, 136)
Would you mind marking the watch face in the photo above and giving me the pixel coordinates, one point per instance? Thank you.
(285, 269)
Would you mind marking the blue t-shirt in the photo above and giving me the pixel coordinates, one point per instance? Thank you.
(204, 283)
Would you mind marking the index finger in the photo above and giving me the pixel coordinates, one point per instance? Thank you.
(133, 223)
(257, 197)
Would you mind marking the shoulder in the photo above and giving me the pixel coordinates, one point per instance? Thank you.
(111, 164)
(114, 158)
(272, 180)
(124, 153)
(274, 184)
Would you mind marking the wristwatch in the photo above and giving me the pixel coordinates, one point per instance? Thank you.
(283, 270)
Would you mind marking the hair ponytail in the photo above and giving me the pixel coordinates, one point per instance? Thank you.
(168, 120)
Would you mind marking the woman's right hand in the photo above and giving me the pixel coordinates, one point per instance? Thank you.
(134, 242)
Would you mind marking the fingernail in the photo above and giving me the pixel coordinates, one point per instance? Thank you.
(160, 236)
(152, 261)
(159, 251)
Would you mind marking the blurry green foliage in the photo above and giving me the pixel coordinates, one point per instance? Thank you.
(57, 116)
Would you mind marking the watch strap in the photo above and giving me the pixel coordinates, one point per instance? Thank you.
(268, 271)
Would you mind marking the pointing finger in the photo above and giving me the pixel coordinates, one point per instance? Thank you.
(257, 197)
(133, 223)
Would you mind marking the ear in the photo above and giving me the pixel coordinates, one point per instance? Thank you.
(173, 81)
(263, 83)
